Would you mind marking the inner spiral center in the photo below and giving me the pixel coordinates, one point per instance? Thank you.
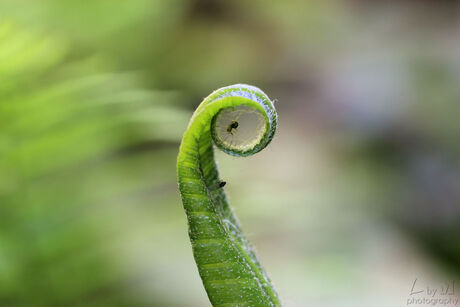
(240, 128)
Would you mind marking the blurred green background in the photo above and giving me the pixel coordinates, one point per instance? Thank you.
(357, 196)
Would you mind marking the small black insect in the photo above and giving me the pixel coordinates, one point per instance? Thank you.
(218, 185)
(232, 126)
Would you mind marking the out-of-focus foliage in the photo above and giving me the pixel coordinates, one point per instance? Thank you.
(74, 137)
(94, 96)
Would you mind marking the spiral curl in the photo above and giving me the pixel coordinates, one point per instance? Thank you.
(241, 121)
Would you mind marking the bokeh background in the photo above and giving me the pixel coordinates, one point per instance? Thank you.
(357, 196)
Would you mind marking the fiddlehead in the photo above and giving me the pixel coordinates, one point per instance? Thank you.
(241, 120)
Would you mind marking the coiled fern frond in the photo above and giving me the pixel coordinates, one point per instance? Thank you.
(240, 120)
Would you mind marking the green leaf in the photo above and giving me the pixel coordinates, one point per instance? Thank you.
(241, 120)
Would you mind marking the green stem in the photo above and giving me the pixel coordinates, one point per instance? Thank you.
(228, 266)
